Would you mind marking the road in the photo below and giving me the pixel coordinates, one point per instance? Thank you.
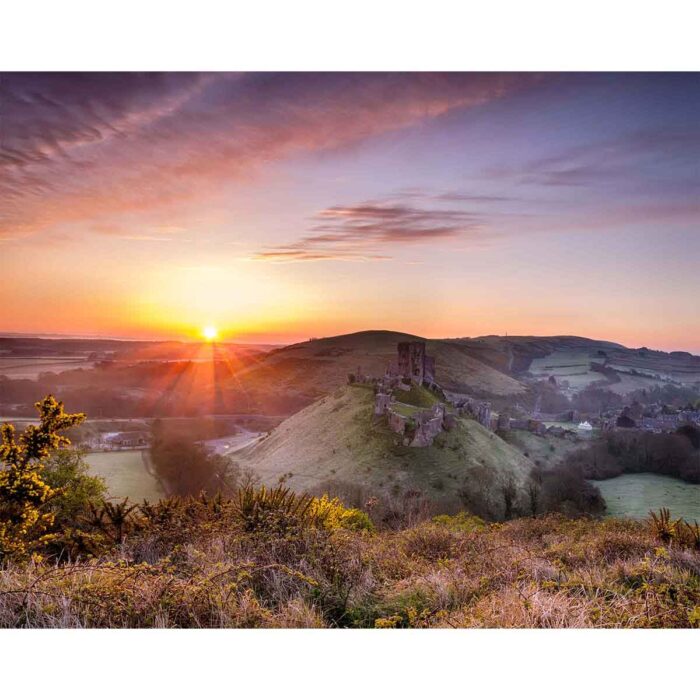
(229, 444)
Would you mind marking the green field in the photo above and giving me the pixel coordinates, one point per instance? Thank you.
(634, 495)
(126, 474)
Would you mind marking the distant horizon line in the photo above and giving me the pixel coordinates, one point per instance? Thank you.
(131, 339)
(118, 339)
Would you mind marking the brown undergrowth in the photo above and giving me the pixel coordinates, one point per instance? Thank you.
(220, 563)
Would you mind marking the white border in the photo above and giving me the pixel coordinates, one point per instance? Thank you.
(357, 35)
(340, 664)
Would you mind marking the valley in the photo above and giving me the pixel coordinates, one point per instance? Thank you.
(289, 414)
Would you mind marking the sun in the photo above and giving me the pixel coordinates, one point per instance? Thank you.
(210, 333)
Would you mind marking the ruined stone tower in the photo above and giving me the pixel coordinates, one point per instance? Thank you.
(412, 361)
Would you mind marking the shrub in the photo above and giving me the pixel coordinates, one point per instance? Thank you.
(68, 474)
(460, 522)
(688, 534)
(429, 542)
(334, 515)
(276, 509)
(663, 526)
(25, 518)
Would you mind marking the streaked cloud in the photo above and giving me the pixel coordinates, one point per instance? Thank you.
(85, 147)
(359, 231)
(616, 160)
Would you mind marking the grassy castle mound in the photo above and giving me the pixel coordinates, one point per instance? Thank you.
(338, 440)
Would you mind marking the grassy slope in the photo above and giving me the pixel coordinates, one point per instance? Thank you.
(417, 396)
(320, 366)
(548, 450)
(569, 357)
(337, 438)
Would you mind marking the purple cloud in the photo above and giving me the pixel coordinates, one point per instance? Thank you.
(79, 147)
(356, 232)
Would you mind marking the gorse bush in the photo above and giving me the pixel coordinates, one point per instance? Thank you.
(332, 514)
(461, 522)
(667, 529)
(281, 509)
(25, 519)
(689, 534)
(277, 509)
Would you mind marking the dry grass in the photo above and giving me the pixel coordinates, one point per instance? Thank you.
(460, 572)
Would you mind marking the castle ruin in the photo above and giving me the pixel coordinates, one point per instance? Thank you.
(414, 365)
(418, 427)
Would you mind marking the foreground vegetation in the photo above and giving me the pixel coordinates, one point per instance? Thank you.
(272, 558)
(203, 567)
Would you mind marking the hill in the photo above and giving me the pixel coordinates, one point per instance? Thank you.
(579, 362)
(319, 366)
(488, 366)
(337, 440)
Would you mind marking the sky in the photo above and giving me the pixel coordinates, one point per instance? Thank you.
(278, 207)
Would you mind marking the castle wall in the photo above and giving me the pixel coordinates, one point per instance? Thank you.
(397, 422)
(429, 369)
(381, 403)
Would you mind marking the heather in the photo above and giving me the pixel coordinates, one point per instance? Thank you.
(206, 564)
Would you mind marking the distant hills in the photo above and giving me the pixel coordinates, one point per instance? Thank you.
(321, 365)
(135, 379)
(495, 366)
(579, 362)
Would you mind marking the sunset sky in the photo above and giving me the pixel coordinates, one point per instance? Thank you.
(278, 207)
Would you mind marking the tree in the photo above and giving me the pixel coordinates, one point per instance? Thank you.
(24, 494)
(187, 468)
(68, 474)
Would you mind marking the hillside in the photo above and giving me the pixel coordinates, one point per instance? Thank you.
(582, 361)
(320, 366)
(489, 366)
(337, 439)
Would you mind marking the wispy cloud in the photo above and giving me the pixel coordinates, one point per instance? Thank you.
(359, 231)
(80, 147)
(470, 197)
(140, 233)
(451, 196)
(614, 160)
